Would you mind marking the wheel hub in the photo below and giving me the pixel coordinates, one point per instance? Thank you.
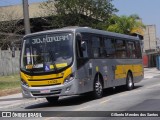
(98, 88)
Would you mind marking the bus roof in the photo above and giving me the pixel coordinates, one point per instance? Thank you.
(85, 29)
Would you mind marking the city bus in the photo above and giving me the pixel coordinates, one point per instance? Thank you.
(77, 60)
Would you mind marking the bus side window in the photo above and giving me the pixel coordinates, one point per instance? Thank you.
(138, 49)
(131, 49)
(96, 49)
(109, 47)
(82, 42)
(120, 49)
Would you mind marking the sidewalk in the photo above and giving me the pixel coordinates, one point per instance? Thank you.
(151, 72)
(11, 101)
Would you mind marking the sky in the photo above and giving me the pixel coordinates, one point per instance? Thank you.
(148, 10)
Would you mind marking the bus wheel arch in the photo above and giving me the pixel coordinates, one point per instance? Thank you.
(129, 80)
(98, 86)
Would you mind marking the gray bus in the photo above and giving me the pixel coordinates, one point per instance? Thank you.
(77, 60)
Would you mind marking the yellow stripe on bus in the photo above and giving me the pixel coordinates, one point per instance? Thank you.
(122, 70)
(58, 65)
(42, 79)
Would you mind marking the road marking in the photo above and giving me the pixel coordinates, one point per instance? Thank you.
(123, 94)
(105, 101)
(82, 108)
(153, 86)
(137, 91)
(48, 118)
(53, 118)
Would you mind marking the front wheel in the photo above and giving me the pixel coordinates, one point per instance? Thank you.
(129, 82)
(98, 88)
(52, 100)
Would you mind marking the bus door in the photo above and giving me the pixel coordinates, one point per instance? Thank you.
(110, 54)
(84, 64)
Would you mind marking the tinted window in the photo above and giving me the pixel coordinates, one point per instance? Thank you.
(96, 47)
(120, 49)
(131, 49)
(109, 47)
(138, 49)
(83, 53)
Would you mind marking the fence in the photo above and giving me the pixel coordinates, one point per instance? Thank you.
(9, 65)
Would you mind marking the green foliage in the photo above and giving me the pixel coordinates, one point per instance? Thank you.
(92, 13)
(124, 24)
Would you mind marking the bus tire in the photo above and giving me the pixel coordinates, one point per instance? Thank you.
(52, 100)
(129, 81)
(98, 88)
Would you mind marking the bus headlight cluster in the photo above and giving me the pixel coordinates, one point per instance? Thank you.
(23, 82)
(69, 78)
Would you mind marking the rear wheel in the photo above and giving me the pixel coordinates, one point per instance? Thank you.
(98, 88)
(52, 100)
(129, 81)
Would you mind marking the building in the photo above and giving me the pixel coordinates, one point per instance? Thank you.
(12, 17)
(158, 44)
(14, 12)
(150, 44)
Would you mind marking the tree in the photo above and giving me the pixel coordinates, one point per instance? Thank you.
(93, 13)
(9, 28)
(125, 24)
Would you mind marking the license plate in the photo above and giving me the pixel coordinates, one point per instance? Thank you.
(45, 91)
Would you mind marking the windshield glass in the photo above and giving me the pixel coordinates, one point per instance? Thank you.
(45, 53)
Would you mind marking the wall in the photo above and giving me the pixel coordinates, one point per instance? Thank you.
(9, 65)
(150, 38)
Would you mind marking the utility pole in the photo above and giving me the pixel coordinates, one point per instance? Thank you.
(26, 16)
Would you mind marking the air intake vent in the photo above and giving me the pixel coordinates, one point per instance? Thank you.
(52, 92)
(44, 85)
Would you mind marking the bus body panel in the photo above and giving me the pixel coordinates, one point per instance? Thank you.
(111, 76)
(113, 71)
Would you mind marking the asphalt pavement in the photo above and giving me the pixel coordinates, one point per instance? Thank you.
(144, 97)
(11, 101)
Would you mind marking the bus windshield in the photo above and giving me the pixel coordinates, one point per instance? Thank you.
(47, 52)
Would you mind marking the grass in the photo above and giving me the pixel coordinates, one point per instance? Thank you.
(9, 85)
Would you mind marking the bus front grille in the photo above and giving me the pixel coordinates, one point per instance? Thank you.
(44, 85)
(54, 81)
(45, 79)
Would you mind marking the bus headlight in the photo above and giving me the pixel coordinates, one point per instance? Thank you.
(23, 82)
(69, 78)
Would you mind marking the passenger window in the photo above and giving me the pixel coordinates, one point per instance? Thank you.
(109, 47)
(80, 38)
(131, 49)
(138, 50)
(120, 49)
(96, 47)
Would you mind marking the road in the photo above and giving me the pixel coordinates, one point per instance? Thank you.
(144, 97)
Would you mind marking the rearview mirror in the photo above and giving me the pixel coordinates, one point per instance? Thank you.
(78, 37)
(83, 45)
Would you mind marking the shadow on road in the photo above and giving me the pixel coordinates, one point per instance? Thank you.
(77, 100)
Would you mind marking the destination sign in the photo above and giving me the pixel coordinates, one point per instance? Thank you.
(49, 39)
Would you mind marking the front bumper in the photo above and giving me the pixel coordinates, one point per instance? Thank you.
(48, 91)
